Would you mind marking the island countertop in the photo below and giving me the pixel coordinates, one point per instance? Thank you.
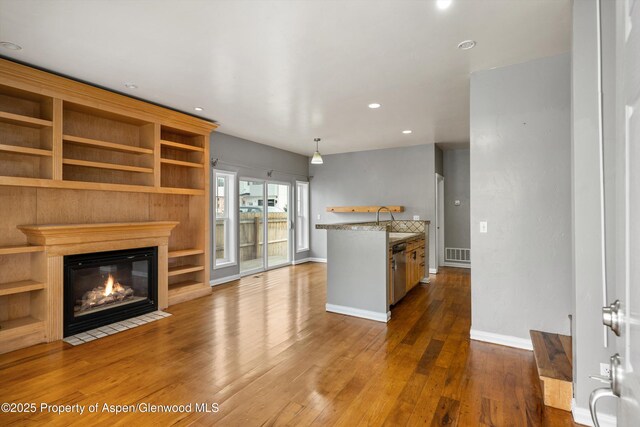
(398, 226)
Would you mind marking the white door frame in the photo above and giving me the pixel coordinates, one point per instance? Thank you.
(439, 223)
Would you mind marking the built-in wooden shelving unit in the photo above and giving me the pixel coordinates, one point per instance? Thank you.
(73, 153)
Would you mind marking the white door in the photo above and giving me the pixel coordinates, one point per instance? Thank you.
(628, 288)
(624, 318)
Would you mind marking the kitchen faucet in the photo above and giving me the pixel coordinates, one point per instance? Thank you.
(378, 214)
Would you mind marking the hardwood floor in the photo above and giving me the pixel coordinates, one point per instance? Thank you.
(265, 350)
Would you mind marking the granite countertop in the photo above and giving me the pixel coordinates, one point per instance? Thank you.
(399, 226)
(355, 226)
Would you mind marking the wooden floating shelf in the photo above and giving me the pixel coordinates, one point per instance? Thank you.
(21, 326)
(102, 165)
(20, 249)
(184, 269)
(180, 146)
(181, 163)
(99, 186)
(25, 150)
(106, 145)
(20, 287)
(185, 252)
(20, 120)
(369, 209)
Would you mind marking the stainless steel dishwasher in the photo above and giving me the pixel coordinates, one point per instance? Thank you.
(399, 265)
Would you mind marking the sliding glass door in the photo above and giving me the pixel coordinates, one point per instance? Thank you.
(263, 216)
(251, 219)
(278, 228)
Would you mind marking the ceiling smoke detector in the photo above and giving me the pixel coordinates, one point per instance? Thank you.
(198, 108)
(10, 46)
(374, 105)
(467, 44)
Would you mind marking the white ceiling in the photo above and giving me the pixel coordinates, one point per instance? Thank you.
(283, 72)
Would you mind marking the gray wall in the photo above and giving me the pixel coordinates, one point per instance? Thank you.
(396, 176)
(252, 160)
(521, 185)
(357, 270)
(439, 161)
(457, 233)
(588, 347)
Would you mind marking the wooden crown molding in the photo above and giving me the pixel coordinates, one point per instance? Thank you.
(48, 84)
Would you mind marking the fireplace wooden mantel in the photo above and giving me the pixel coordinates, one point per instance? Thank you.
(83, 238)
(57, 240)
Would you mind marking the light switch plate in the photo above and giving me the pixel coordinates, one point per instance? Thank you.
(416, 217)
(483, 226)
(605, 370)
(318, 216)
(457, 203)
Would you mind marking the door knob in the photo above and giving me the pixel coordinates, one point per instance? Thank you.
(613, 391)
(611, 317)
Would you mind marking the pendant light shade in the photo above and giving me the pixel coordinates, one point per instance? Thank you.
(317, 158)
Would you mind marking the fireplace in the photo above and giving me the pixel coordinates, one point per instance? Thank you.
(105, 287)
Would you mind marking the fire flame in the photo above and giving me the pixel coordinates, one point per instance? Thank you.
(108, 286)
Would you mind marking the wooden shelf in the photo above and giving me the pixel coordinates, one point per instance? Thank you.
(20, 287)
(185, 286)
(20, 326)
(99, 186)
(373, 209)
(25, 150)
(106, 145)
(102, 165)
(18, 119)
(180, 146)
(182, 163)
(185, 252)
(20, 249)
(184, 269)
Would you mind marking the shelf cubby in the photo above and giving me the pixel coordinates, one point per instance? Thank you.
(182, 159)
(26, 134)
(100, 146)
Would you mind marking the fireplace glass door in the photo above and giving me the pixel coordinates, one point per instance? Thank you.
(105, 287)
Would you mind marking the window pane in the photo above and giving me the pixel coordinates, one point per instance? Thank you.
(221, 189)
(220, 234)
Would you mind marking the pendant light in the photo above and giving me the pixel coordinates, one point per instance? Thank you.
(317, 158)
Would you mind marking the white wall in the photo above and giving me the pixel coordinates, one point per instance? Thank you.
(521, 185)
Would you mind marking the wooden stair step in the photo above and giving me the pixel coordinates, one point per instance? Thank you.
(553, 356)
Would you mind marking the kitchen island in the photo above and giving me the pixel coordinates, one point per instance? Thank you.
(361, 270)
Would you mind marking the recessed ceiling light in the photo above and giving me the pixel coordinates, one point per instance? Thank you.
(131, 86)
(406, 131)
(443, 4)
(466, 45)
(374, 105)
(10, 46)
(198, 108)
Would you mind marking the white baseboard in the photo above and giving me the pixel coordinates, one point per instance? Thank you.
(324, 260)
(425, 280)
(583, 416)
(222, 280)
(456, 264)
(433, 271)
(356, 312)
(505, 340)
(300, 261)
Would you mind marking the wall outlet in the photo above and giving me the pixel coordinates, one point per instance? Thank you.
(416, 217)
(483, 226)
(318, 216)
(457, 203)
(605, 370)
